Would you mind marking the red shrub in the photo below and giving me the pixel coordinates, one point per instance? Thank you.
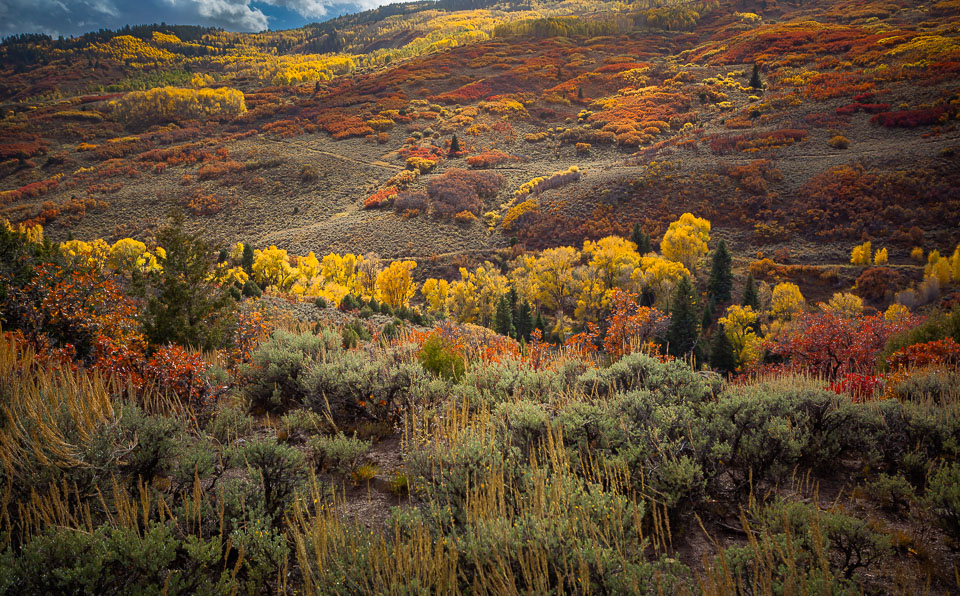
(381, 198)
(174, 370)
(459, 190)
(910, 118)
(877, 282)
(22, 149)
(943, 351)
(870, 108)
(830, 345)
(859, 387)
(490, 159)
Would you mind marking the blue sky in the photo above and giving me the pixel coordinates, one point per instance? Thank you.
(72, 17)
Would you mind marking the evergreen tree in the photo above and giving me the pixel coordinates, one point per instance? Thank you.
(540, 324)
(755, 81)
(579, 92)
(523, 323)
(222, 257)
(684, 327)
(246, 260)
(503, 320)
(707, 318)
(513, 298)
(454, 146)
(750, 295)
(182, 305)
(720, 286)
(641, 239)
(722, 357)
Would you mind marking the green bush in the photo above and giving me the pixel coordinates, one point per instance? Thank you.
(509, 379)
(280, 470)
(525, 423)
(196, 460)
(276, 367)
(640, 371)
(230, 423)
(349, 338)
(439, 356)
(943, 496)
(762, 435)
(155, 441)
(338, 385)
(894, 493)
(122, 561)
(909, 437)
(338, 452)
(251, 289)
(942, 386)
(796, 540)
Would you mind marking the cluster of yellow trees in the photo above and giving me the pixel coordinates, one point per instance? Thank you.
(295, 69)
(563, 281)
(174, 103)
(944, 269)
(861, 255)
(569, 284)
(125, 255)
(331, 278)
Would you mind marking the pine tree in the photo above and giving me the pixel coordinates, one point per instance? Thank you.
(641, 239)
(182, 305)
(246, 260)
(720, 286)
(722, 357)
(454, 146)
(755, 81)
(707, 318)
(540, 324)
(750, 295)
(513, 298)
(684, 327)
(579, 92)
(503, 320)
(524, 321)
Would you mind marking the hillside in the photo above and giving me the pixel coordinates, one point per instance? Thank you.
(659, 122)
(485, 297)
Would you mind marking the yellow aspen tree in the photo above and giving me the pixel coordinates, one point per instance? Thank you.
(395, 285)
(660, 276)
(435, 293)
(786, 300)
(271, 267)
(860, 255)
(686, 240)
(880, 257)
(738, 326)
(611, 257)
(896, 312)
(843, 304)
(124, 254)
(553, 272)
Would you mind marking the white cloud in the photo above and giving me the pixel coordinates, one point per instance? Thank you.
(306, 8)
(72, 17)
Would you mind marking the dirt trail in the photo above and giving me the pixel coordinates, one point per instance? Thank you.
(375, 163)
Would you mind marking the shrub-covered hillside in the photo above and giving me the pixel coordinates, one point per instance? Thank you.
(168, 425)
(485, 297)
